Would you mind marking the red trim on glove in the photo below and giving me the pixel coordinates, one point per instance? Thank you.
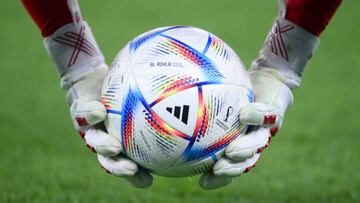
(269, 119)
(81, 121)
(91, 148)
(107, 171)
(82, 134)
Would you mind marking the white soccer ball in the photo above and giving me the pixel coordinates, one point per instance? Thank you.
(173, 96)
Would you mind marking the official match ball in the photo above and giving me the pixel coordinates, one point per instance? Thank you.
(173, 97)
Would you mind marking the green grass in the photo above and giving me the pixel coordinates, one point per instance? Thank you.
(314, 158)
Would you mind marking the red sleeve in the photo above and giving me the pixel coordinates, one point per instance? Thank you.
(49, 15)
(312, 15)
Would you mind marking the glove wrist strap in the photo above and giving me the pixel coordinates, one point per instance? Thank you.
(287, 49)
(74, 51)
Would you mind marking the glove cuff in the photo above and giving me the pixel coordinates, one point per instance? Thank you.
(74, 51)
(287, 49)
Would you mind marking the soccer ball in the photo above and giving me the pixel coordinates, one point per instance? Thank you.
(173, 97)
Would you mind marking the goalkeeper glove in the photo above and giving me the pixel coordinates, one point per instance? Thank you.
(273, 75)
(82, 68)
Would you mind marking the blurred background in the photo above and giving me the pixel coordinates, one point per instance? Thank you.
(314, 158)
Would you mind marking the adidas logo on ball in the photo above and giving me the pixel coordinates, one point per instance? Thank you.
(177, 109)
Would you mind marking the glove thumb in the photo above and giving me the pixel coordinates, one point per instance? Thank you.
(87, 113)
(260, 114)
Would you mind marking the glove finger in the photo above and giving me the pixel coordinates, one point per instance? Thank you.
(118, 166)
(247, 146)
(142, 179)
(101, 142)
(260, 114)
(87, 113)
(209, 181)
(227, 167)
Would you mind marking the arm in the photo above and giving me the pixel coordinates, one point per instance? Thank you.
(81, 66)
(289, 46)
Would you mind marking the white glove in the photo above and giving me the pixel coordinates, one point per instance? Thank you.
(81, 65)
(241, 155)
(277, 70)
(87, 113)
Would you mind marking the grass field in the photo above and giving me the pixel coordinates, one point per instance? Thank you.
(314, 158)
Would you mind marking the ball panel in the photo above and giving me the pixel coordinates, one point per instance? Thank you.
(218, 121)
(193, 37)
(218, 124)
(180, 110)
(163, 83)
(232, 68)
(189, 169)
(142, 39)
(146, 138)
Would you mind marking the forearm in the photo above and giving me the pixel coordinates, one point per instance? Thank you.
(293, 39)
(49, 15)
(67, 38)
(312, 15)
